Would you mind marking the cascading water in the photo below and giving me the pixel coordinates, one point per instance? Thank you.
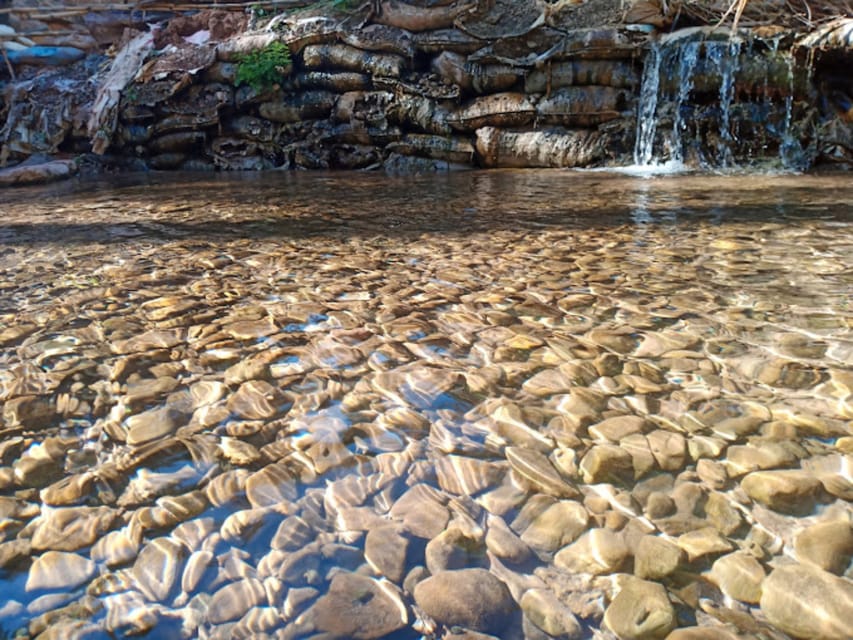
(707, 97)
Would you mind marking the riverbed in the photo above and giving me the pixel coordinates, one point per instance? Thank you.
(529, 404)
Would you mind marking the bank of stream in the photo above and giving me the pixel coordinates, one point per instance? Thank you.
(436, 86)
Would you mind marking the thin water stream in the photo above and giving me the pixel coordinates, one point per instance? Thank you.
(526, 404)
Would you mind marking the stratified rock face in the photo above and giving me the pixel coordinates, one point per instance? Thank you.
(807, 602)
(470, 598)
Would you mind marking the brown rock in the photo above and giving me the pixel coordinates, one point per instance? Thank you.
(807, 602)
(471, 598)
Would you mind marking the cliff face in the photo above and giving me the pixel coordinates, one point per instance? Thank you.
(436, 85)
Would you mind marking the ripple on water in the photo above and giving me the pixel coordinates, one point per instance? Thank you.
(276, 414)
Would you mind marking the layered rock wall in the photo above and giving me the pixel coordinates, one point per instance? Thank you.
(434, 85)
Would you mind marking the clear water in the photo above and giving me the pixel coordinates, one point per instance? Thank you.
(327, 342)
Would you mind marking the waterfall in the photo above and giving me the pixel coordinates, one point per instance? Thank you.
(647, 114)
(698, 102)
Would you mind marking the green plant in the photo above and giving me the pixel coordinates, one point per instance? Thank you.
(261, 69)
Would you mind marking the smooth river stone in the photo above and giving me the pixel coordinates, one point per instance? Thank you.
(233, 600)
(544, 609)
(743, 459)
(535, 468)
(607, 463)
(503, 542)
(668, 448)
(357, 607)
(598, 551)
(656, 558)
(739, 576)
(255, 400)
(116, 548)
(641, 610)
(828, 545)
(807, 602)
(59, 570)
(454, 549)
(273, 485)
(386, 548)
(250, 329)
(703, 542)
(618, 427)
(158, 567)
(422, 510)
(149, 389)
(556, 526)
(152, 425)
(71, 528)
(470, 598)
(467, 476)
(789, 491)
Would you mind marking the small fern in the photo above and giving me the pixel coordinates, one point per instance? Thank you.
(263, 68)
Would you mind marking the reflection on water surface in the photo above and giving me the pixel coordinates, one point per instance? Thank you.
(531, 404)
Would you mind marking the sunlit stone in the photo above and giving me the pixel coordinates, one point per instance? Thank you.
(158, 567)
(59, 570)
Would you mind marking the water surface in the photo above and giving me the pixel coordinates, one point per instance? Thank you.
(234, 405)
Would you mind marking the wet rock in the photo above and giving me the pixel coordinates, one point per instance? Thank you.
(386, 548)
(656, 558)
(292, 534)
(116, 548)
(129, 614)
(59, 570)
(504, 543)
(149, 389)
(35, 173)
(702, 633)
(640, 610)
(71, 528)
(470, 598)
(273, 485)
(467, 476)
(14, 552)
(668, 448)
(233, 600)
(828, 545)
(32, 412)
(723, 514)
(545, 610)
(789, 491)
(557, 526)
(158, 567)
(598, 551)
(554, 147)
(607, 463)
(537, 470)
(739, 576)
(357, 607)
(422, 511)
(617, 428)
(152, 425)
(454, 549)
(498, 109)
(703, 542)
(807, 602)
(255, 400)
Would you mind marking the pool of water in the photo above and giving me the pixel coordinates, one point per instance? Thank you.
(528, 404)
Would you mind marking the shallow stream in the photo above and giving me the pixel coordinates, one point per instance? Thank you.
(290, 404)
